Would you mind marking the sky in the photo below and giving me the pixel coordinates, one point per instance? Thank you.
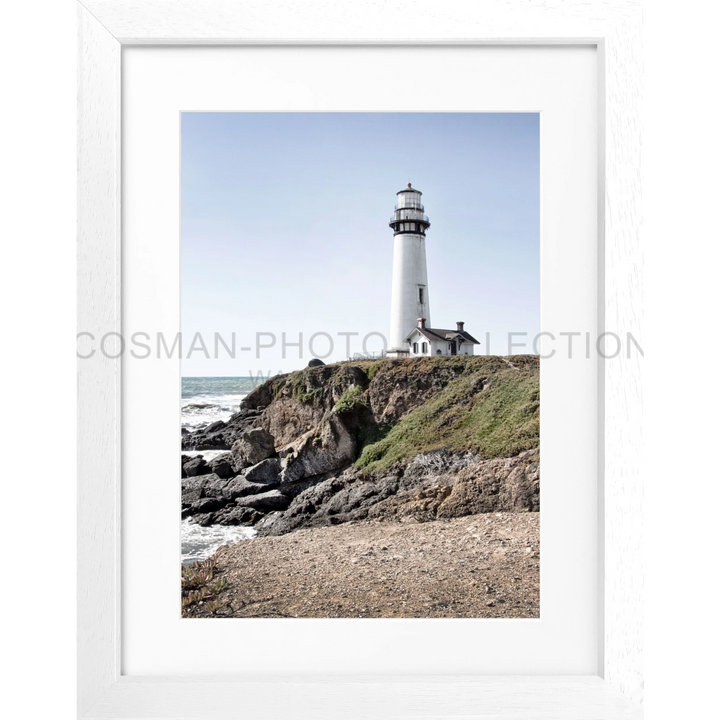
(285, 230)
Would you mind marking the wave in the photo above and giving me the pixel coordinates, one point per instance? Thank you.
(208, 399)
(201, 410)
(207, 454)
(199, 543)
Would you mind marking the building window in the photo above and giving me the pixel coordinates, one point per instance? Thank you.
(415, 348)
(424, 348)
(439, 351)
(421, 295)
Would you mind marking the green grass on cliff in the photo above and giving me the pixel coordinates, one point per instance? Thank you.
(491, 409)
(352, 399)
(490, 405)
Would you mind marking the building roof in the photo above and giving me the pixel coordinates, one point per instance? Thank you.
(440, 334)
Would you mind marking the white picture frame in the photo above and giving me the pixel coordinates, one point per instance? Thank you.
(104, 27)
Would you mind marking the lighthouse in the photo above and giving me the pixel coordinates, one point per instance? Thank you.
(411, 332)
(410, 298)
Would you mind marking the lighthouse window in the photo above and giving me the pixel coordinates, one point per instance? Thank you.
(421, 295)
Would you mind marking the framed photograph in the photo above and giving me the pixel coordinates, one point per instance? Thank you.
(330, 263)
(393, 432)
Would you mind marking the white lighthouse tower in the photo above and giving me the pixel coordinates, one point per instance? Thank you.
(410, 298)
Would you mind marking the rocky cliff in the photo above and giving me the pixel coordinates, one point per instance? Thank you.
(427, 438)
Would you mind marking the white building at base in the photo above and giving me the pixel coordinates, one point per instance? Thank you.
(436, 341)
(410, 331)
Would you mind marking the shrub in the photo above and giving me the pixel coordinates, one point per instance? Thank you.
(352, 399)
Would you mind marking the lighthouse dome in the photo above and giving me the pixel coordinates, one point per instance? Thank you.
(408, 189)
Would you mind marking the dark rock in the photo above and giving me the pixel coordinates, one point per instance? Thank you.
(266, 472)
(238, 515)
(316, 362)
(204, 519)
(209, 498)
(222, 465)
(195, 483)
(207, 505)
(205, 439)
(239, 487)
(252, 447)
(190, 497)
(220, 435)
(215, 486)
(331, 448)
(195, 466)
(434, 485)
(271, 500)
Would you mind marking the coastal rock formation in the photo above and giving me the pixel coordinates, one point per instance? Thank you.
(330, 447)
(192, 466)
(222, 465)
(392, 396)
(252, 447)
(270, 500)
(432, 486)
(221, 435)
(507, 485)
(266, 471)
(428, 439)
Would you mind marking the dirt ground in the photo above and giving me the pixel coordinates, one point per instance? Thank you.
(479, 566)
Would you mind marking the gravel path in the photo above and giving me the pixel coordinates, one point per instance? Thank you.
(477, 566)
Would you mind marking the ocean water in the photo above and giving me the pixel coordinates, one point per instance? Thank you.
(199, 543)
(204, 401)
(207, 399)
(207, 454)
